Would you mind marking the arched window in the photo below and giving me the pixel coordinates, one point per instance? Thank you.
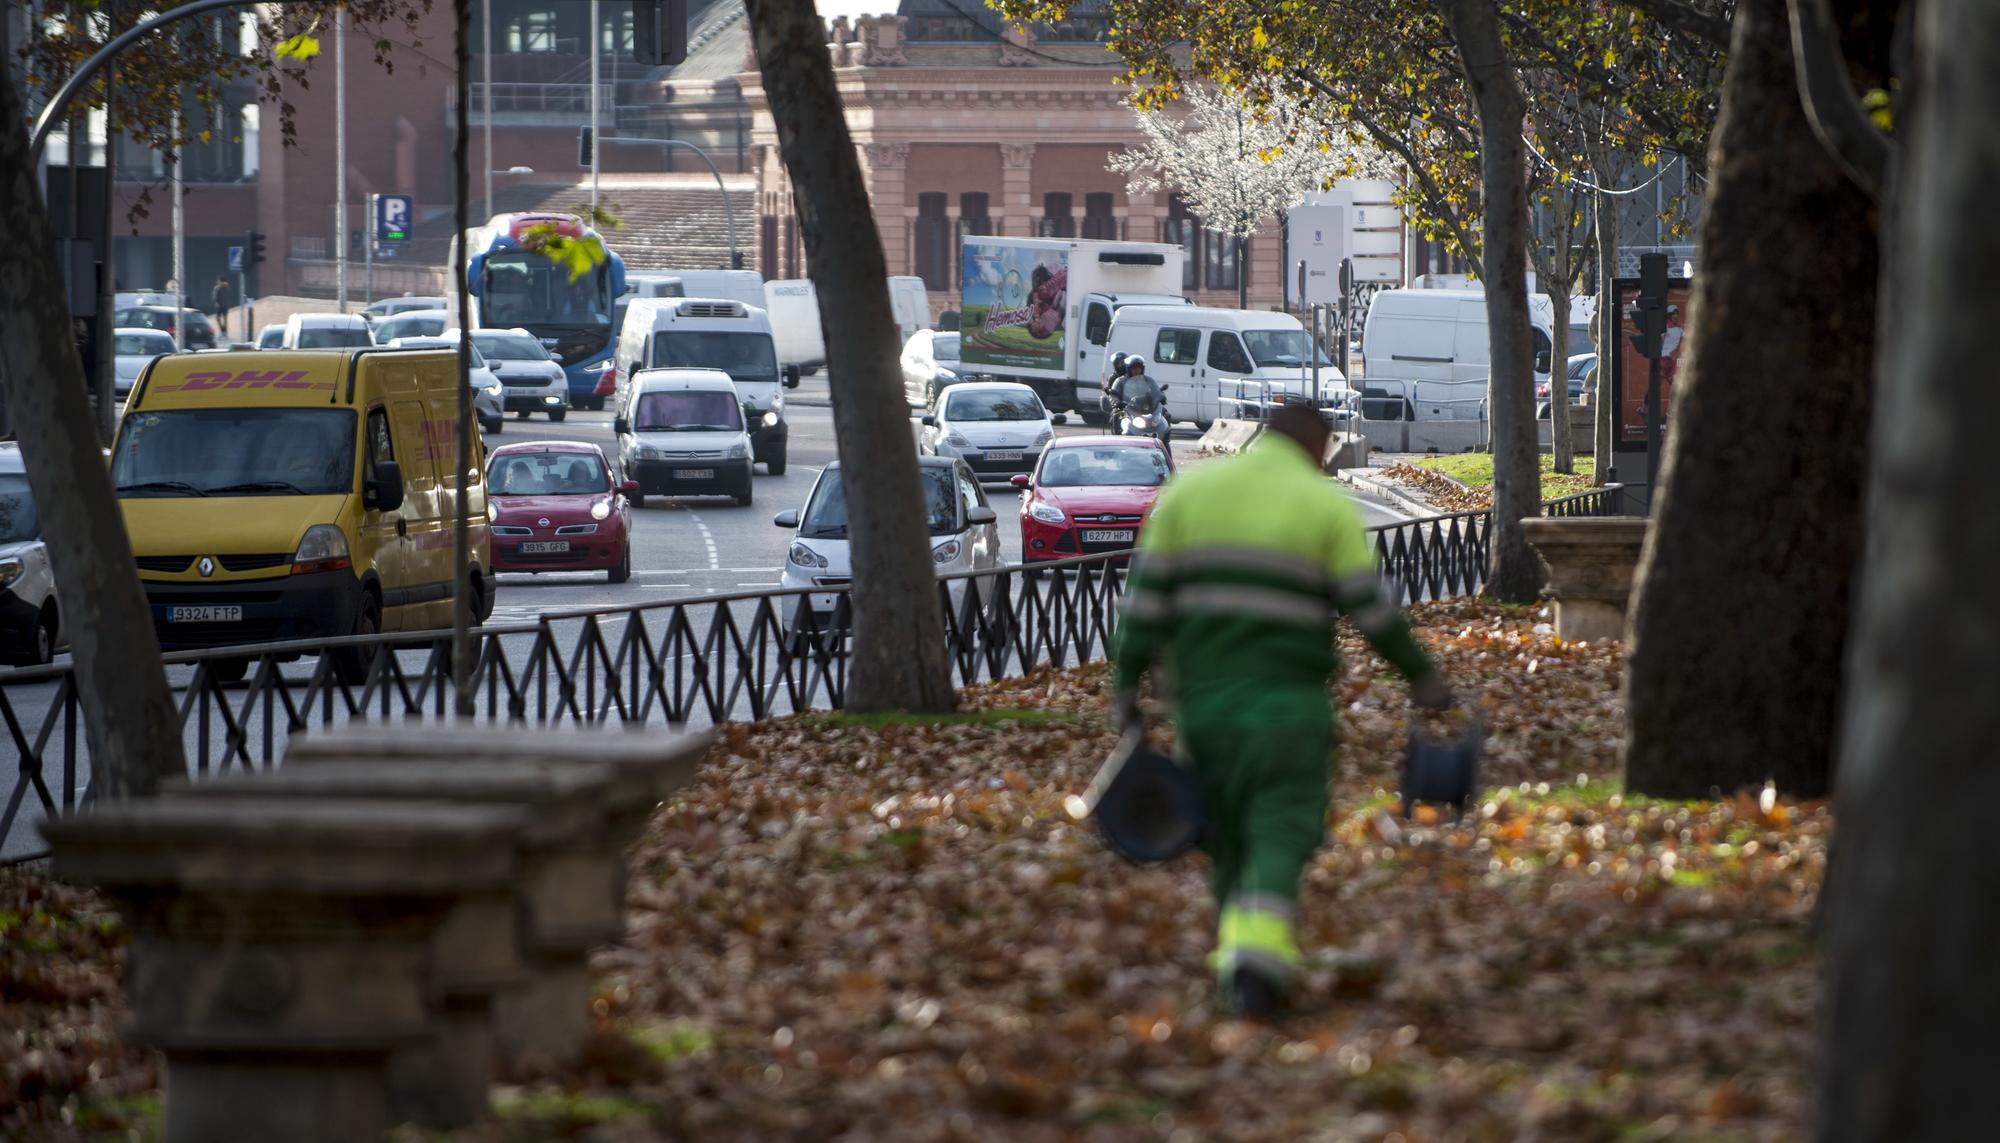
(532, 32)
(1098, 221)
(1057, 221)
(933, 241)
(1182, 229)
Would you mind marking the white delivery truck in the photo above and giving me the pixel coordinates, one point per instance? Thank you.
(1038, 310)
(1211, 361)
(794, 310)
(711, 333)
(1429, 348)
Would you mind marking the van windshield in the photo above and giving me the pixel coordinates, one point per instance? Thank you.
(744, 356)
(687, 411)
(1279, 348)
(826, 515)
(235, 452)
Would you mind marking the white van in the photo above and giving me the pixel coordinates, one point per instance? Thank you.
(681, 433)
(910, 301)
(711, 333)
(326, 331)
(1439, 337)
(794, 309)
(1203, 355)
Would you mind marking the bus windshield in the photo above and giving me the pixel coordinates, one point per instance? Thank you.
(523, 288)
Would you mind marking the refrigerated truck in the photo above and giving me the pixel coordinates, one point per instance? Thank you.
(1038, 310)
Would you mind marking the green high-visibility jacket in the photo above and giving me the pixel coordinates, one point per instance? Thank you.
(1241, 569)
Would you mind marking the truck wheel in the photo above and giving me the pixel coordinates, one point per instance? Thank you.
(230, 670)
(743, 498)
(351, 663)
(775, 465)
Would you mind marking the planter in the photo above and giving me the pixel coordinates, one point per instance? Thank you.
(1591, 561)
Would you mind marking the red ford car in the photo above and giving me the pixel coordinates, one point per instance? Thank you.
(1090, 495)
(555, 508)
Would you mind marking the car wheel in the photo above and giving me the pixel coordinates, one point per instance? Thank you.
(43, 649)
(743, 499)
(623, 571)
(482, 598)
(351, 663)
(556, 416)
(776, 465)
(230, 670)
(637, 499)
(521, 415)
(493, 428)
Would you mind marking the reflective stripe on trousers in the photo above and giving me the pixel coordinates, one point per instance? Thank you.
(1256, 932)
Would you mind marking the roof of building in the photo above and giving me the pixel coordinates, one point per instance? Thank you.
(718, 42)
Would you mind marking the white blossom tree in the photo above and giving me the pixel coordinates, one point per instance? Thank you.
(1236, 164)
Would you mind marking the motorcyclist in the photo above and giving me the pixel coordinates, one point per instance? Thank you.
(1136, 391)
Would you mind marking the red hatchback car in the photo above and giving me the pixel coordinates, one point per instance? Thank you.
(1090, 495)
(555, 507)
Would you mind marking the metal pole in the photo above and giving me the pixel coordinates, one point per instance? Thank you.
(1313, 341)
(728, 211)
(368, 254)
(243, 301)
(461, 540)
(486, 98)
(340, 155)
(107, 316)
(596, 60)
(180, 228)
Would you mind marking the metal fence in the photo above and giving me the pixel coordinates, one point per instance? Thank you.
(691, 661)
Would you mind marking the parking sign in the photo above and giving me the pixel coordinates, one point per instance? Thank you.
(393, 218)
(236, 259)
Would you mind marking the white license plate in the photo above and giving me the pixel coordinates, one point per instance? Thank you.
(1107, 536)
(545, 546)
(694, 474)
(524, 390)
(1003, 454)
(212, 614)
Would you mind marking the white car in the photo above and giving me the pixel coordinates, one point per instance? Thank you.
(134, 347)
(681, 433)
(28, 622)
(487, 403)
(534, 381)
(964, 533)
(998, 428)
(411, 323)
(390, 307)
(930, 362)
(326, 331)
(271, 336)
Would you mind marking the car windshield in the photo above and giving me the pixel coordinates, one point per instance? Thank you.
(271, 452)
(687, 411)
(744, 356)
(1279, 348)
(547, 474)
(944, 348)
(826, 516)
(17, 510)
(1122, 465)
(420, 324)
(324, 338)
(143, 344)
(1579, 367)
(510, 347)
(992, 405)
(271, 338)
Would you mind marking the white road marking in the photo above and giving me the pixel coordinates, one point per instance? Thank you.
(700, 571)
(707, 538)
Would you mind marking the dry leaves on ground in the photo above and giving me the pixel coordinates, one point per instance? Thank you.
(1439, 490)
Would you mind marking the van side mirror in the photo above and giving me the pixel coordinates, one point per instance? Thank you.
(384, 490)
(791, 376)
(1541, 361)
(621, 426)
(789, 518)
(930, 418)
(980, 515)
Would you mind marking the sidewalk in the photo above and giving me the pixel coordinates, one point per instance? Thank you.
(1371, 481)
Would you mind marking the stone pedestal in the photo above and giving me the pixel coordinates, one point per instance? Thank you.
(1591, 561)
(281, 948)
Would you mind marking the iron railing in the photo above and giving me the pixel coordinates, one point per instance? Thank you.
(676, 662)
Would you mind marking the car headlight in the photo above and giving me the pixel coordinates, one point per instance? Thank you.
(771, 418)
(323, 548)
(1046, 513)
(956, 441)
(645, 452)
(946, 552)
(601, 509)
(492, 511)
(739, 451)
(805, 557)
(10, 570)
(1046, 436)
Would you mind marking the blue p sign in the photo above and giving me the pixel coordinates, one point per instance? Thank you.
(236, 259)
(393, 218)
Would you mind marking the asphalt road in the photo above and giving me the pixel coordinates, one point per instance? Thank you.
(681, 550)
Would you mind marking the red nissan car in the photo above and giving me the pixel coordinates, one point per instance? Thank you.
(1090, 495)
(555, 507)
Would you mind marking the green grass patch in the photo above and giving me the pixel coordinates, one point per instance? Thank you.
(674, 1040)
(882, 719)
(564, 1108)
(1475, 470)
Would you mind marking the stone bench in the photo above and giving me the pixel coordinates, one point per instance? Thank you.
(282, 947)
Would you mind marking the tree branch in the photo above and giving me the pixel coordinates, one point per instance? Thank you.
(1836, 116)
(1685, 18)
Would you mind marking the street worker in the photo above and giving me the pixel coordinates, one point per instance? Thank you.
(1241, 568)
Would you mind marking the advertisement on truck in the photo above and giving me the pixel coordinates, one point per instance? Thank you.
(1013, 302)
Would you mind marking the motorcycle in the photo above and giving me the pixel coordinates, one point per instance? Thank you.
(1143, 417)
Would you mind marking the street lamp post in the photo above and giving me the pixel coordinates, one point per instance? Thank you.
(340, 154)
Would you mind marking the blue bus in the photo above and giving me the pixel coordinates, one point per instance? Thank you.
(514, 287)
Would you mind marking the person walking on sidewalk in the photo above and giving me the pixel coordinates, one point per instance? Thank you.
(1242, 566)
(224, 298)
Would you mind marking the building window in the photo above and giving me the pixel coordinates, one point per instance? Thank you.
(791, 246)
(1098, 221)
(767, 242)
(1181, 229)
(1057, 221)
(972, 214)
(532, 32)
(933, 241)
(1219, 268)
(616, 34)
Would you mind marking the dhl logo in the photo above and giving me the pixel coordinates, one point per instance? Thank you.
(252, 379)
(440, 441)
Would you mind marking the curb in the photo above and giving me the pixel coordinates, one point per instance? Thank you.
(1385, 491)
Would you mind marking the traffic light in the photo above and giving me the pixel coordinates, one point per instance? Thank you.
(660, 31)
(253, 250)
(584, 144)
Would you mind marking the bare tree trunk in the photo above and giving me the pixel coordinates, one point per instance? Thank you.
(1912, 995)
(1739, 614)
(129, 719)
(1515, 572)
(1562, 439)
(899, 659)
(1606, 221)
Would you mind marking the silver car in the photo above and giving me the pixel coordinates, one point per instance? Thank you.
(134, 347)
(533, 380)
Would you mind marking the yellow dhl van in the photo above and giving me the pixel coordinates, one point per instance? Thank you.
(297, 494)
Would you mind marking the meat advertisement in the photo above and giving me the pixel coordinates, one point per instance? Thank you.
(1014, 301)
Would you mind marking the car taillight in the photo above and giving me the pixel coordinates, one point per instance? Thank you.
(608, 383)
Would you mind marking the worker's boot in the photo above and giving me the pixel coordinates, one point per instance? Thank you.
(1254, 995)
